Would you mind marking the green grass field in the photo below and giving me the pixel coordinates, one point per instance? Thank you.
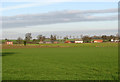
(83, 62)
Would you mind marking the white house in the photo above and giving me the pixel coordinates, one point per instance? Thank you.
(116, 40)
(81, 41)
(112, 40)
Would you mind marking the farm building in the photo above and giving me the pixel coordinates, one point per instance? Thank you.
(112, 40)
(48, 42)
(80, 41)
(97, 41)
(9, 43)
(55, 42)
(116, 40)
(41, 42)
(68, 42)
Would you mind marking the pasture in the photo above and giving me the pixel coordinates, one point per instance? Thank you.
(60, 62)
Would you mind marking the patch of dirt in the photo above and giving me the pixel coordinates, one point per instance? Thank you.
(31, 46)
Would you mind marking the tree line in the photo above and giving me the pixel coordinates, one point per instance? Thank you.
(52, 38)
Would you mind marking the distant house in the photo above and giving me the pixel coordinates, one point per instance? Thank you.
(41, 42)
(112, 40)
(9, 43)
(55, 42)
(115, 40)
(80, 41)
(97, 41)
(68, 42)
(48, 42)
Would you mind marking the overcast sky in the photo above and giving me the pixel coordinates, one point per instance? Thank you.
(55, 17)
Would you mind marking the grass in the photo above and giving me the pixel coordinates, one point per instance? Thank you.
(84, 62)
(61, 45)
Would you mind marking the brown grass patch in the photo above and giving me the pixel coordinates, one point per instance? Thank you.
(31, 46)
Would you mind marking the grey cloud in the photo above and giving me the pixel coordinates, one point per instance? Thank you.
(65, 16)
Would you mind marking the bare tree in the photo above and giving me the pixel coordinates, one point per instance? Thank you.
(65, 38)
(86, 39)
(104, 37)
(6, 39)
(41, 38)
(19, 40)
(34, 41)
(52, 38)
(55, 38)
(28, 37)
